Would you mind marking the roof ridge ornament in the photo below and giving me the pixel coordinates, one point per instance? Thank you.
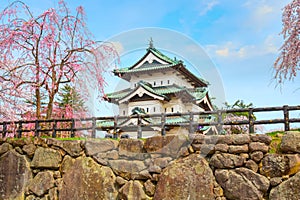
(151, 43)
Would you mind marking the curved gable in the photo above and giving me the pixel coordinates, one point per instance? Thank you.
(152, 56)
(140, 91)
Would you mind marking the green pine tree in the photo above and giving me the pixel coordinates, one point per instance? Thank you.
(239, 104)
(69, 96)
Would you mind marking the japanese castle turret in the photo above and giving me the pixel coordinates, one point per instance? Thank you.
(159, 84)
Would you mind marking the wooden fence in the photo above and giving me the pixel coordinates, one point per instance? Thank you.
(55, 127)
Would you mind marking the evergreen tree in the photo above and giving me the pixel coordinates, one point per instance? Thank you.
(239, 104)
(237, 116)
(70, 98)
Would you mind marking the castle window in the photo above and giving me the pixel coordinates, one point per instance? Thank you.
(172, 109)
(165, 109)
(147, 109)
(124, 112)
(161, 82)
(168, 82)
(154, 109)
(154, 83)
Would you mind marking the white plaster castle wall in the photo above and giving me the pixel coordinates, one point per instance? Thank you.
(179, 106)
(123, 110)
(160, 79)
(174, 105)
(150, 107)
(190, 107)
(156, 106)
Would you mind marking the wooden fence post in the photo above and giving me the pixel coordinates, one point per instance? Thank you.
(93, 127)
(251, 120)
(191, 125)
(115, 134)
(219, 126)
(19, 132)
(4, 129)
(54, 129)
(36, 127)
(139, 129)
(286, 118)
(73, 128)
(163, 124)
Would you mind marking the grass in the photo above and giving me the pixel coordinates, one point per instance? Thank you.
(62, 139)
(69, 138)
(276, 140)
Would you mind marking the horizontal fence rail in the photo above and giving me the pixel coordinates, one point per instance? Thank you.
(72, 127)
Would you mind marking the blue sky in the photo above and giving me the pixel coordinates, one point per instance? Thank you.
(241, 38)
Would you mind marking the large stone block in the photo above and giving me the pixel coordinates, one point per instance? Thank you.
(127, 168)
(277, 165)
(287, 190)
(15, 174)
(221, 147)
(241, 139)
(236, 149)
(132, 148)
(258, 146)
(207, 149)
(93, 147)
(250, 164)
(257, 156)
(186, 178)
(263, 138)
(149, 187)
(85, 179)
(66, 164)
(226, 161)
(131, 145)
(73, 148)
(133, 190)
(41, 183)
(46, 158)
(242, 184)
(162, 162)
(291, 142)
(196, 138)
(29, 149)
(225, 139)
(169, 145)
(5, 147)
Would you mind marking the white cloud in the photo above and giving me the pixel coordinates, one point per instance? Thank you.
(262, 16)
(263, 13)
(264, 10)
(207, 5)
(224, 52)
(231, 50)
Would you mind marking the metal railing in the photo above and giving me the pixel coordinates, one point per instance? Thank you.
(69, 127)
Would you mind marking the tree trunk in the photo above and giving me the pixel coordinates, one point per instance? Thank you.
(50, 106)
(38, 103)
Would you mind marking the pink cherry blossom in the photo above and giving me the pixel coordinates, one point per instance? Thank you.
(41, 53)
(288, 62)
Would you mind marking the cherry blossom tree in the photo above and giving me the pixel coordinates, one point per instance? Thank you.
(39, 54)
(288, 62)
(239, 116)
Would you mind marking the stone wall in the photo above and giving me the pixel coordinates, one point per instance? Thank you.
(191, 167)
